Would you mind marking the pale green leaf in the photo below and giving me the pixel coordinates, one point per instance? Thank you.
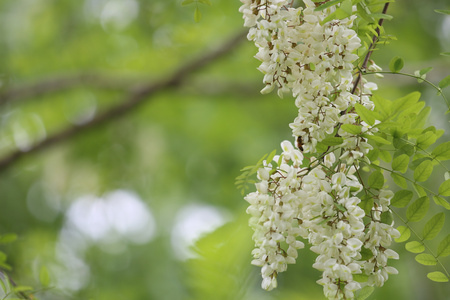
(332, 141)
(444, 82)
(399, 180)
(441, 202)
(396, 64)
(197, 15)
(425, 70)
(365, 292)
(445, 53)
(415, 247)
(443, 11)
(433, 226)
(400, 163)
(444, 247)
(423, 171)
(401, 198)
(425, 140)
(386, 218)
(444, 188)
(44, 276)
(405, 234)
(376, 180)
(418, 209)
(442, 152)
(353, 129)
(419, 190)
(377, 139)
(437, 276)
(365, 114)
(385, 156)
(426, 259)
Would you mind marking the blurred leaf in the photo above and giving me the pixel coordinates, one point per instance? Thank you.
(437, 276)
(44, 276)
(444, 247)
(443, 11)
(418, 209)
(400, 163)
(444, 188)
(376, 180)
(426, 259)
(401, 198)
(405, 234)
(444, 82)
(423, 171)
(197, 15)
(415, 247)
(396, 64)
(8, 238)
(433, 226)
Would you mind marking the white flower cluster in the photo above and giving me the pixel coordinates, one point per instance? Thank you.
(316, 199)
(314, 62)
(300, 198)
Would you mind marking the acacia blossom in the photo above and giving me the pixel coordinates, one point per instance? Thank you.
(316, 199)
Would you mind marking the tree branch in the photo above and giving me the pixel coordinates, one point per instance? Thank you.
(136, 97)
(60, 83)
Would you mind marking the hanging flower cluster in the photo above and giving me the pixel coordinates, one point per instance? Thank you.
(316, 199)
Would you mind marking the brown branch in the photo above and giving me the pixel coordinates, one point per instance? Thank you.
(133, 100)
(61, 83)
(371, 48)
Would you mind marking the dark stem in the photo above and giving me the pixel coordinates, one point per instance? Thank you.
(371, 48)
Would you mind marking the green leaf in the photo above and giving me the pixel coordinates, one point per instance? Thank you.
(415, 247)
(332, 141)
(376, 180)
(207, 2)
(353, 129)
(328, 4)
(366, 204)
(437, 276)
(400, 163)
(401, 198)
(366, 254)
(271, 156)
(44, 276)
(385, 156)
(377, 139)
(365, 292)
(406, 103)
(423, 171)
(360, 278)
(442, 152)
(444, 188)
(386, 218)
(444, 82)
(445, 53)
(396, 64)
(425, 140)
(22, 288)
(187, 2)
(426, 259)
(381, 16)
(418, 209)
(405, 234)
(433, 226)
(365, 114)
(425, 70)
(197, 15)
(399, 180)
(8, 238)
(443, 11)
(419, 190)
(421, 118)
(444, 247)
(441, 202)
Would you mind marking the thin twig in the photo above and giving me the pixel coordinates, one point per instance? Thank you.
(371, 48)
(133, 100)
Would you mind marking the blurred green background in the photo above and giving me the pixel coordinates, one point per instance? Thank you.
(113, 211)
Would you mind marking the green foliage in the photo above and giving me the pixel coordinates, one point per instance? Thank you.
(396, 64)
